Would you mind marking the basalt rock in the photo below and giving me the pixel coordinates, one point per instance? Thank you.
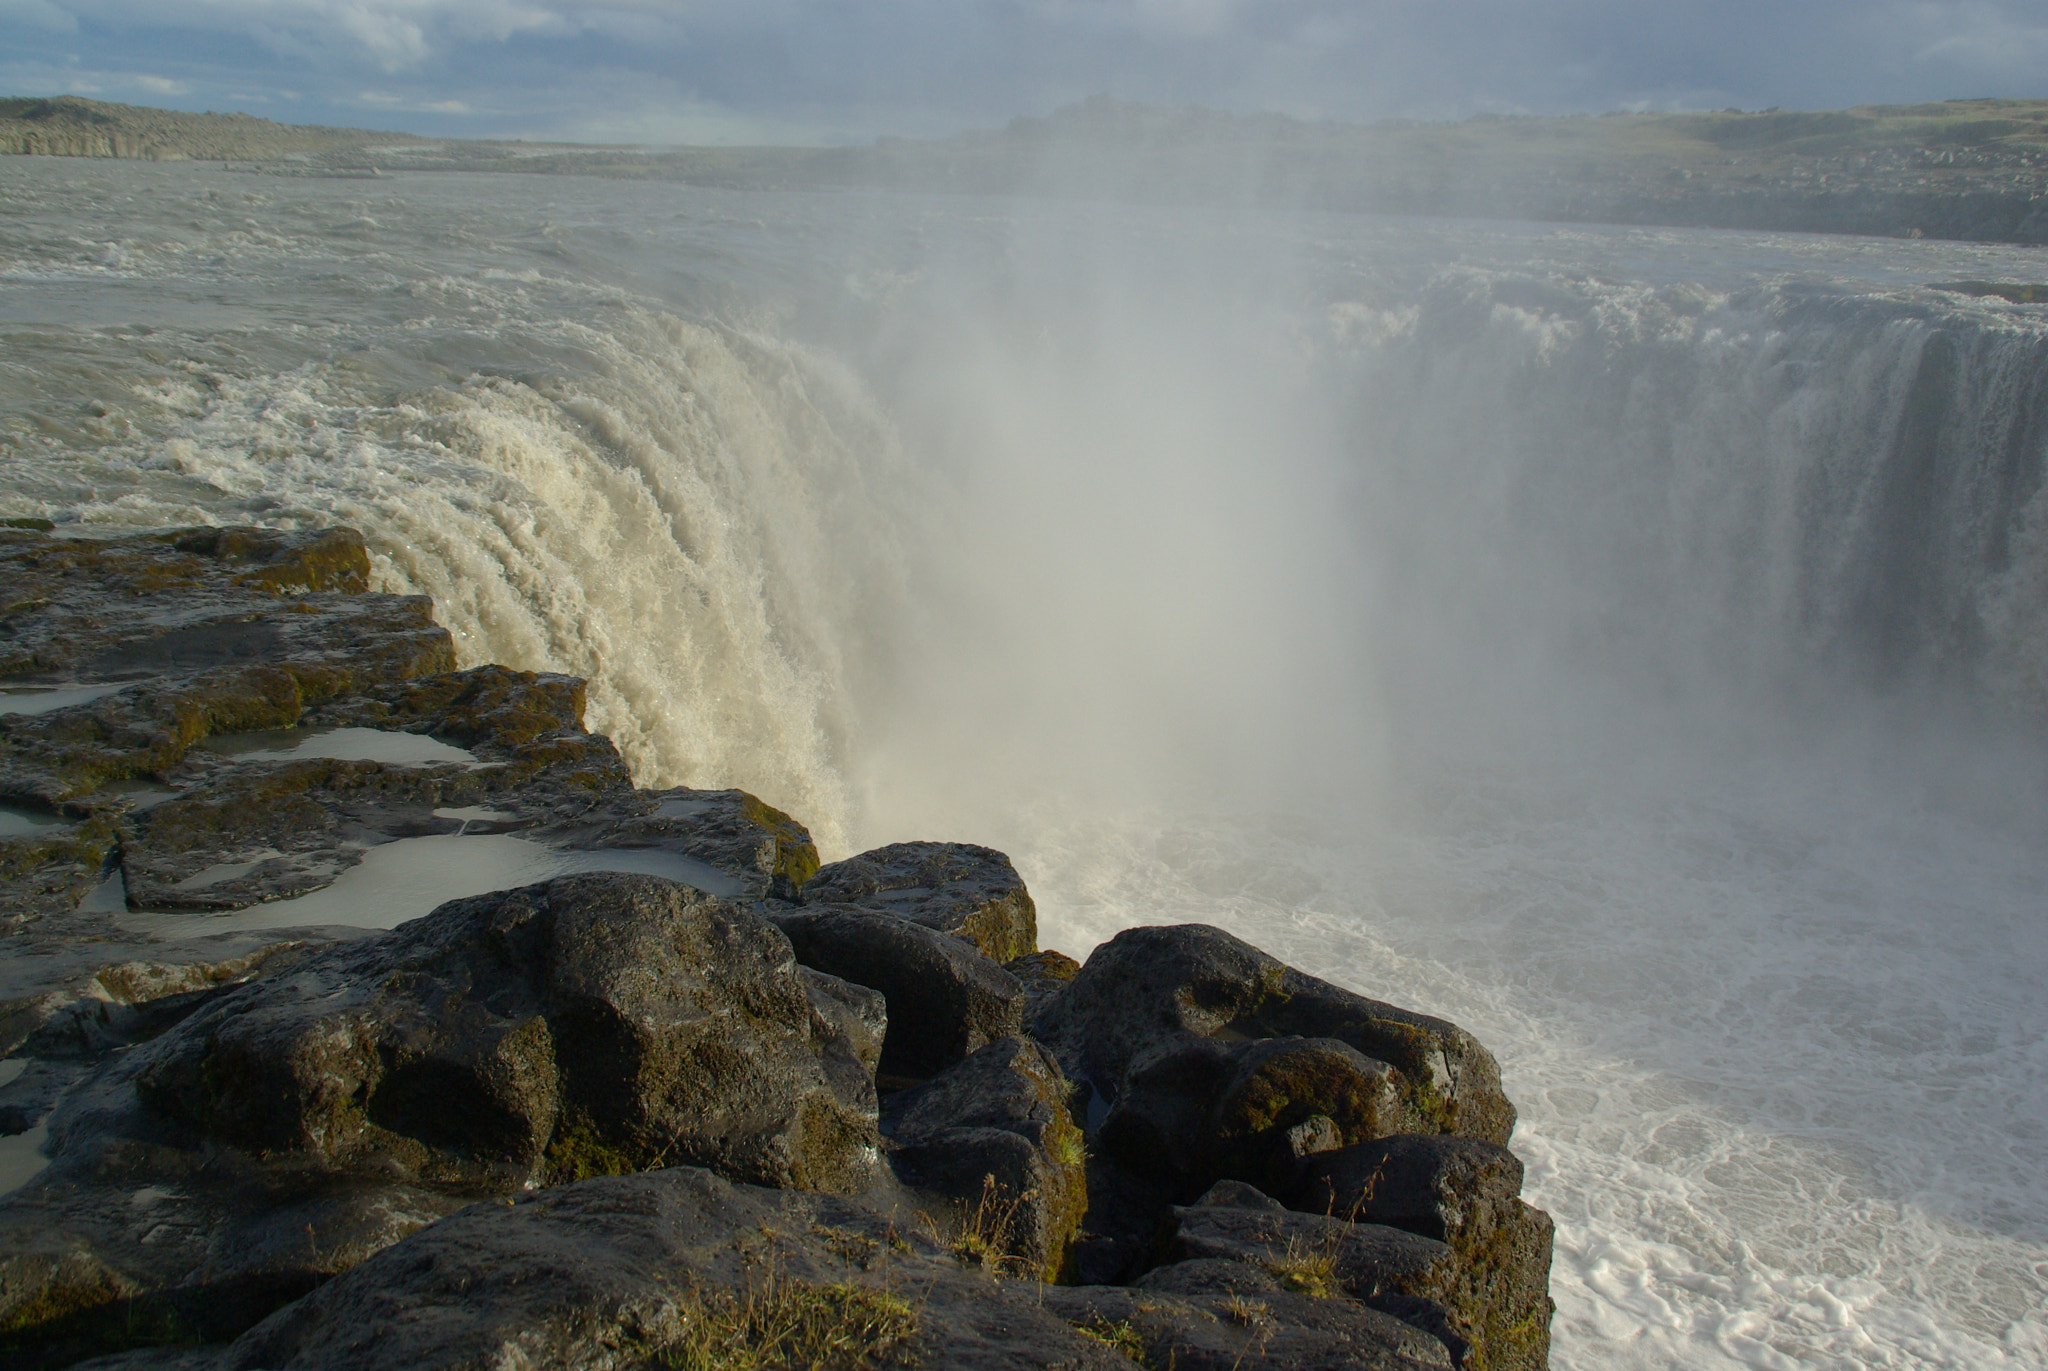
(1486, 1301)
(1463, 1192)
(994, 1136)
(1153, 989)
(288, 1127)
(1400, 1273)
(1205, 1109)
(1256, 1323)
(748, 849)
(945, 999)
(640, 1271)
(969, 892)
(595, 1018)
(203, 630)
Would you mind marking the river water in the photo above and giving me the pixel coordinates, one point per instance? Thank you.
(1631, 644)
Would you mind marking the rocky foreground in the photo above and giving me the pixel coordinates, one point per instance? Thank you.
(718, 1107)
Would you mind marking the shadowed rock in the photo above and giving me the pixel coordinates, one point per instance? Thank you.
(994, 1136)
(945, 999)
(613, 1273)
(1254, 1323)
(1463, 1192)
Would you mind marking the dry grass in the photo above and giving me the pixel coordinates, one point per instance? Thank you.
(791, 1326)
(988, 1230)
(1119, 1338)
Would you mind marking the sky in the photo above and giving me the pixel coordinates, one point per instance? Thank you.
(845, 71)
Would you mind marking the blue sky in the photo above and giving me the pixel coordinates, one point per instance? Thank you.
(821, 71)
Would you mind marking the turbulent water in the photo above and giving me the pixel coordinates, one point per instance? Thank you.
(1630, 644)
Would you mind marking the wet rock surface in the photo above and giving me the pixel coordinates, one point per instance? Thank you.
(687, 1076)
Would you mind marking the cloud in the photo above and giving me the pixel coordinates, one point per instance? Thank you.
(829, 70)
(161, 85)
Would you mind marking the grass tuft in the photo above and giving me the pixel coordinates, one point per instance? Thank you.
(791, 1326)
(1119, 1337)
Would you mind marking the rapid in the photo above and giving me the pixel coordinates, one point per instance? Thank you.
(1631, 644)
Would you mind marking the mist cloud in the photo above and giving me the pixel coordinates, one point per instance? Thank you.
(837, 70)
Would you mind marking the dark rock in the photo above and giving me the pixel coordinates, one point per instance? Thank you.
(1149, 987)
(1238, 1195)
(611, 1273)
(64, 997)
(1210, 1276)
(290, 1127)
(1282, 1083)
(1463, 1192)
(1315, 1134)
(28, 1099)
(1488, 1303)
(1128, 1219)
(1203, 1108)
(1164, 1111)
(750, 849)
(857, 1014)
(970, 892)
(1042, 974)
(242, 831)
(945, 999)
(1229, 1330)
(994, 1136)
(604, 1019)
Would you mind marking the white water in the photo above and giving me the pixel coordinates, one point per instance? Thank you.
(1583, 634)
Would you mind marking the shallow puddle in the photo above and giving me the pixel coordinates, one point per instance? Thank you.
(405, 879)
(340, 745)
(17, 821)
(41, 701)
(21, 1156)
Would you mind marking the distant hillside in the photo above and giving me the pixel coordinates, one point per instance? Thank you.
(1970, 169)
(1974, 169)
(67, 126)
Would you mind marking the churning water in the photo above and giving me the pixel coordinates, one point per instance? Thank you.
(1631, 644)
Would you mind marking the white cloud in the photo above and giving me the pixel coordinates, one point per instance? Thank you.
(161, 85)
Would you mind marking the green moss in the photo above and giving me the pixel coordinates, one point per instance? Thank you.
(796, 856)
(58, 1303)
(65, 1323)
(791, 1326)
(577, 1153)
